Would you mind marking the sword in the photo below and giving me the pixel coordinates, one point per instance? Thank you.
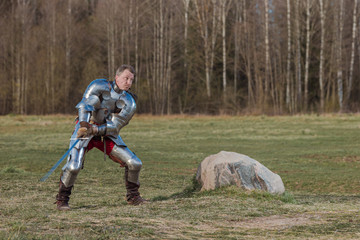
(43, 179)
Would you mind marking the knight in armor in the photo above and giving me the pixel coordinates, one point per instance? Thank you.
(106, 107)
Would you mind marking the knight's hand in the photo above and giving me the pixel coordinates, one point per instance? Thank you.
(86, 129)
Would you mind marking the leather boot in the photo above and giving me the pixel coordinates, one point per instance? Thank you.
(62, 198)
(132, 191)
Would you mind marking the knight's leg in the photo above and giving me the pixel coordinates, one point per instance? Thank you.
(62, 198)
(132, 189)
(68, 177)
(132, 170)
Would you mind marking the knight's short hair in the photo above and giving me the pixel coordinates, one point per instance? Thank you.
(124, 67)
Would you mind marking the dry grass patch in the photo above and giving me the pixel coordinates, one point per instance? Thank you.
(316, 157)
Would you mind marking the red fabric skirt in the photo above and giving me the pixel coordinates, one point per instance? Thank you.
(97, 143)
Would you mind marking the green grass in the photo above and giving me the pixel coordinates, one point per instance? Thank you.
(317, 157)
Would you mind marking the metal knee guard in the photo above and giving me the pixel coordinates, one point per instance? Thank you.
(132, 161)
(73, 166)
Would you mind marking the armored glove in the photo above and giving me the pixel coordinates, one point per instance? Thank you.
(86, 129)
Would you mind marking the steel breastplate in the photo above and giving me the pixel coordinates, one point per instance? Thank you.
(109, 104)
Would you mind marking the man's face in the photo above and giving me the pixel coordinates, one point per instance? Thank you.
(124, 80)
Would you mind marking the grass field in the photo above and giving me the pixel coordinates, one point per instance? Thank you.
(317, 157)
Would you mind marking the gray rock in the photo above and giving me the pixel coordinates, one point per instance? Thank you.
(230, 168)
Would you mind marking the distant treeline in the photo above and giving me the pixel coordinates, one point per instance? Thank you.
(191, 56)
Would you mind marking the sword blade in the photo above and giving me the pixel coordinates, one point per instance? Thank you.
(43, 179)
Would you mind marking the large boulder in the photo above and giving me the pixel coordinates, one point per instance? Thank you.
(230, 168)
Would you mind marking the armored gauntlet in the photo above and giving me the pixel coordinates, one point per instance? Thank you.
(86, 129)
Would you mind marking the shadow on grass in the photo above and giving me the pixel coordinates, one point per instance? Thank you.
(229, 191)
(188, 192)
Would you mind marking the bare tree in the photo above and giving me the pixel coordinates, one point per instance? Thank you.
(161, 57)
(298, 56)
(238, 22)
(248, 55)
(50, 82)
(288, 73)
(137, 41)
(68, 37)
(340, 27)
(186, 57)
(108, 21)
(267, 53)
(307, 55)
(209, 39)
(216, 13)
(225, 4)
(223, 21)
(169, 60)
(24, 14)
(350, 80)
(322, 44)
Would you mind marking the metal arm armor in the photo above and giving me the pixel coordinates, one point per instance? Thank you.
(91, 100)
(117, 121)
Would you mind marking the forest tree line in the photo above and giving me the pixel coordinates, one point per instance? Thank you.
(191, 56)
